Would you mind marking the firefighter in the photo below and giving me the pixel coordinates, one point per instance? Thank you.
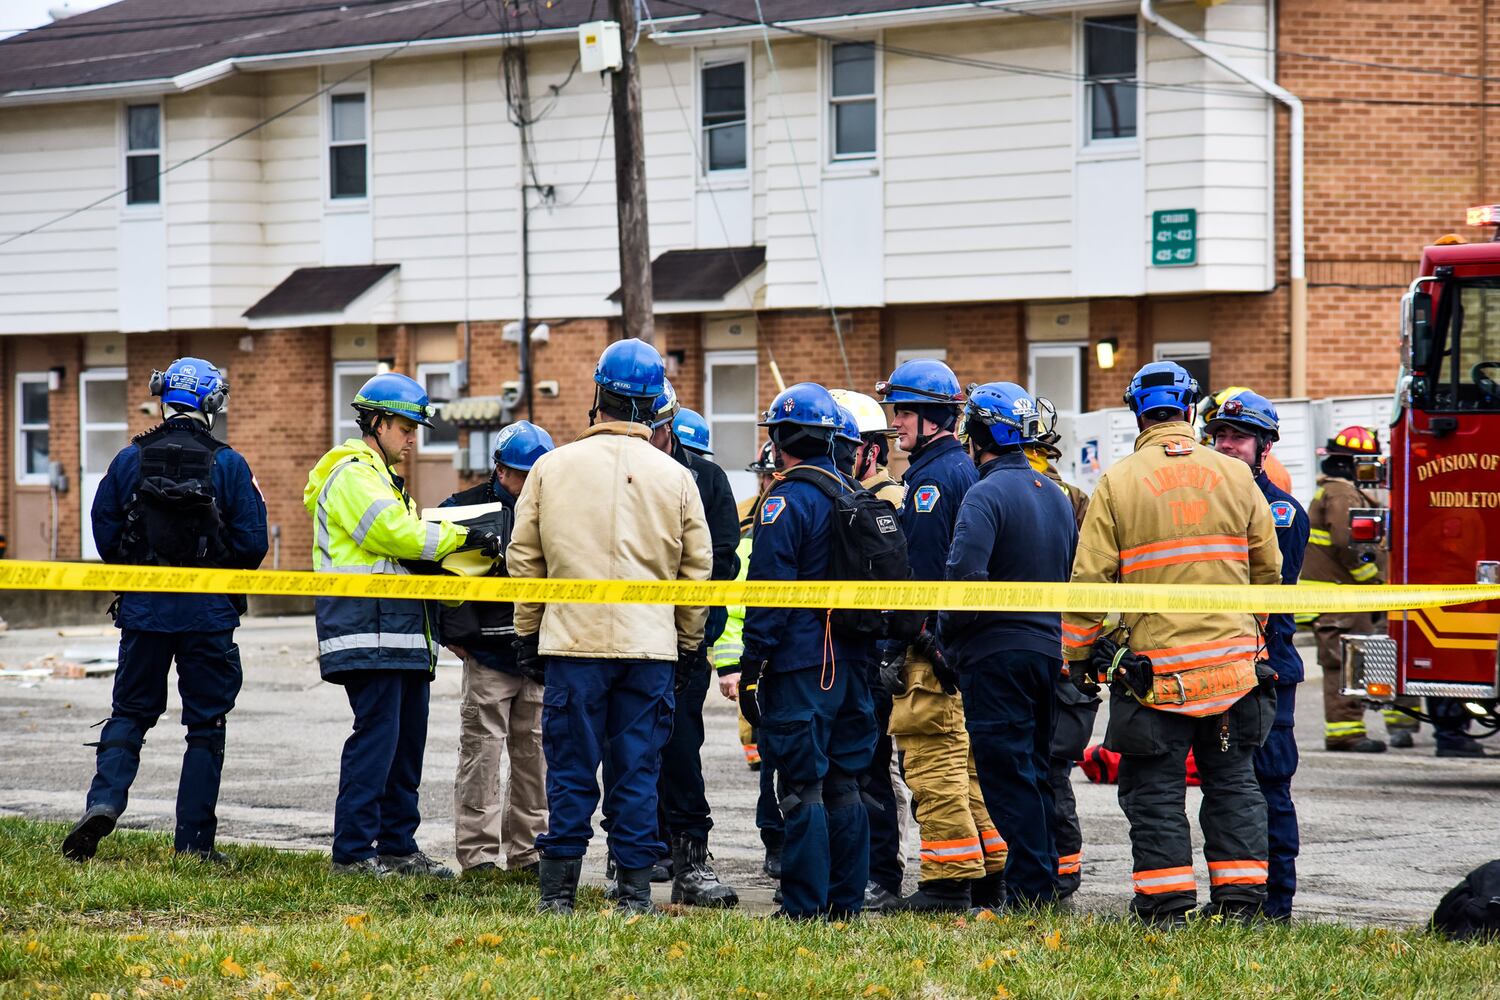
(691, 432)
(174, 496)
(500, 708)
(1013, 525)
(764, 468)
(1076, 711)
(1175, 512)
(608, 506)
(1333, 558)
(962, 854)
(382, 650)
(1245, 427)
(801, 683)
(1208, 406)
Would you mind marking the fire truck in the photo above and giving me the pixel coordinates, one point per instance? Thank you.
(1443, 474)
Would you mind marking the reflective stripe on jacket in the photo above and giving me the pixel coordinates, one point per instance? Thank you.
(364, 522)
(725, 655)
(1332, 557)
(1176, 512)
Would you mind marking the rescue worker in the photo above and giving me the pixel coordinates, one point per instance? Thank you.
(868, 452)
(174, 496)
(1208, 406)
(1175, 512)
(764, 468)
(691, 432)
(1245, 427)
(682, 802)
(801, 682)
(382, 650)
(1076, 711)
(608, 506)
(500, 708)
(1334, 559)
(1012, 525)
(962, 854)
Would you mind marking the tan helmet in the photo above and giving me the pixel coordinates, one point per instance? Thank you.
(868, 414)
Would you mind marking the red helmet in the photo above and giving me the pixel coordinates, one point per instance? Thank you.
(1353, 441)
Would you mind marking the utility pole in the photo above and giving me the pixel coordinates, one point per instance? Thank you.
(630, 182)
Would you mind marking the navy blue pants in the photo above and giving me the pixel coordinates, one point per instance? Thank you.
(684, 806)
(208, 678)
(887, 863)
(381, 769)
(767, 810)
(819, 740)
(1450, 723)
(1009, 710)
(594, 711)
(1275, 763)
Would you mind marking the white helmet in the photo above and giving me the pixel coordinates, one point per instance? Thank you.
(868, 414)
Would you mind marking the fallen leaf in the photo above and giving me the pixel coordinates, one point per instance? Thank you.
(803, 952)
(484, 986)
(1001, 993)
(229, 967)
(985, 963)
(1053, 941)
(489, 940)
(987, 916)
(918, 965)
(356, 920)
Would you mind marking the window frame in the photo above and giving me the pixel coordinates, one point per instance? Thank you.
(142, 208)
(366, 368)
(1106, 144)
(360, 88)
(707, 59)
(24, 478)
(728, 359)
(833, 160)
(424, 445)
(1074, 350)
(1185, 350)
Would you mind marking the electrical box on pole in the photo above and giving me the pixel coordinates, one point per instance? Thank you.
(599, 46)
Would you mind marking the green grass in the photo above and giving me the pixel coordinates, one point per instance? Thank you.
(137, 922)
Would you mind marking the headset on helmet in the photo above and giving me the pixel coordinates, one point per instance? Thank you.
(396, 394)
(520, 444)
(192, 383)
(1007, 413)
(692, 430)
(1162, 384)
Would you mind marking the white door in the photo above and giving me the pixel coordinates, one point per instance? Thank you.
(729, 390)
(1056, 372)
(103, 432)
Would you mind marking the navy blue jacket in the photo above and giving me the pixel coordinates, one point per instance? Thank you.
(792, 541)
(243, 510)
(1291, 535)
(489, 491)
(1014, 524)
(936, 481)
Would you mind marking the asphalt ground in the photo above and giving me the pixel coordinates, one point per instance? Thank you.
(1383, 836)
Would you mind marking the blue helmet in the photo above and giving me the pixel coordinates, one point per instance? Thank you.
(397, 394)
(520, 444)
(692, 430)
(631, 368)
(922, 381)
(1006, 411)
(1249, 411)
(192, 383)
(664, 407)
(848, 426)
(805, 404)
(1162, 384)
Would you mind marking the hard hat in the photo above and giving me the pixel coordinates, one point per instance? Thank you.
(396, 394)
(1353, 441)
(848, 426)
(1162, 384)
(805, 404)
(692, 430)
(664, 407)
(1249, 411)
(1209, 405)
(520, 444)
(923, 381)
(869, 414)
(192, 383)
(1005, 410)
(765, 462)
(631, 368)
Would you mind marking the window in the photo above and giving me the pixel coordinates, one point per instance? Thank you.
(730, 409)
(348, 166)
(852, 100)
(1466, 361)
(1109, 67)
(1190, 354)
(348, 378)
(438, 381)
(143, 154)
(1056, 372)
(32, 427)
(724, 133)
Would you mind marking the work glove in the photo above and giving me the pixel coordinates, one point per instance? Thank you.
(689, 662)
(529, 660)
(1113, 662)
(750, 690)
(926, 646)
(892, 669)
(485, 541)
(1084, 677)
(1266, 676)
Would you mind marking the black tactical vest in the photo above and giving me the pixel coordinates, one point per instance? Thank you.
(173, 517)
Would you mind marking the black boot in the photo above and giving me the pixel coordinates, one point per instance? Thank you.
(988, 892)
(694, 882)
(633, 892)
(83, 840)
(559, 883)
(938, 895)
(1243, 911)
(772, 865)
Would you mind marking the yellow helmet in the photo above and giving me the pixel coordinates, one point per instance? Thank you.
(1208, 408)
(868, 414)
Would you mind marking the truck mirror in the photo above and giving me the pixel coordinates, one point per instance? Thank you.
(1420, 321)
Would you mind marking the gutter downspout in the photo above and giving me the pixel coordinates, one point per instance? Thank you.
(1298, 254)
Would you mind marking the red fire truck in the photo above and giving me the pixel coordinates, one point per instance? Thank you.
(1443, 525)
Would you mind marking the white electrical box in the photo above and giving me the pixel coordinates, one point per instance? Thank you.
(599, 46)
(1094, 441)
(1297, 448)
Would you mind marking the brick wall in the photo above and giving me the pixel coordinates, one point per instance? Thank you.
(1121, 320)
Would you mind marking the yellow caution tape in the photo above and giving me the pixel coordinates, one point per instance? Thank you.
(1129, 598)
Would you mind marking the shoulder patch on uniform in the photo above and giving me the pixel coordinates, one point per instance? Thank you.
(1177, 447)
(772, 509)
(926, 499)
(1283, 513)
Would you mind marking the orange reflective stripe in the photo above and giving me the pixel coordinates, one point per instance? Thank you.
(1174, 659)
(752, 753)
(1076, 638)
(1203, 548)
(1159, 880)
(940, 851)
(1237, 872)
(1070, 864)
(993, 842)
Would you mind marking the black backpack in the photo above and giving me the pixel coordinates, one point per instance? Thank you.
(1471, 909)
(486, 625)
(868, 546)
(172, 517)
